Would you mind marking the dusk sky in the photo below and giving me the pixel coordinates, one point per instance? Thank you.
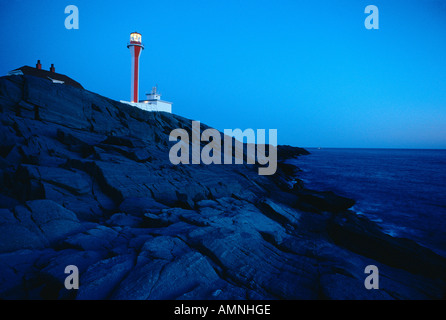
(309, 69)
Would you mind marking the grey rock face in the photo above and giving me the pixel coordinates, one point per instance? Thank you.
(87, 181)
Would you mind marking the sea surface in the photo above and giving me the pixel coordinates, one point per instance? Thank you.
(403, 190)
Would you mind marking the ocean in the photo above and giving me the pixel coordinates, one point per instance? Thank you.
(403, 190)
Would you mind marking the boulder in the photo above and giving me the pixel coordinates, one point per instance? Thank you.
(123, 219)
(139, 206)
(54, 221)
(323, 200)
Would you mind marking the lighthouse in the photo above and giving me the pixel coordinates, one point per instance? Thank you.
(135, 47)
(153, 101)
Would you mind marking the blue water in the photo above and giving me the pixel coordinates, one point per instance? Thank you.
(403, 190)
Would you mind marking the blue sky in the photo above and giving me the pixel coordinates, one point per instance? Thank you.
(309, 69)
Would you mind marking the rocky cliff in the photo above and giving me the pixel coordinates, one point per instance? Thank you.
(87, 181)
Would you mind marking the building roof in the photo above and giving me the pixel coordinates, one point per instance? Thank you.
(53, 76)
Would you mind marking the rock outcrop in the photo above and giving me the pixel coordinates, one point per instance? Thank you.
(87, 181)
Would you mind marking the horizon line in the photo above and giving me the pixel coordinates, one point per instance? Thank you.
(387, 148)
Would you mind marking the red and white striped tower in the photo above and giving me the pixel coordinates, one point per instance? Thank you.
(136, 47)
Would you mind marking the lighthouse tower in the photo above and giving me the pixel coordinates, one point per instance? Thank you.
(153, 101)
(135, 47)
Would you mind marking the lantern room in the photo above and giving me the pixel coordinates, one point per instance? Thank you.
(135, 38)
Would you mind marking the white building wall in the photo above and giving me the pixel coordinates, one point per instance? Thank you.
(157, 105)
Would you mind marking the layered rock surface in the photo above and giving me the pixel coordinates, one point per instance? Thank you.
(87, 181)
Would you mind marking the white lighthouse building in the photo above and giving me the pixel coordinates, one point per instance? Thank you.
(153, 101)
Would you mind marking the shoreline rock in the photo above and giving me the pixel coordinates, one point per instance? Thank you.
(87, 181)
